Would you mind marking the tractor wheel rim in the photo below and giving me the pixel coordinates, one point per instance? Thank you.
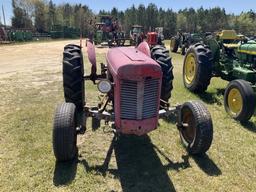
(190, 68)
(189, 128)
(235, 101)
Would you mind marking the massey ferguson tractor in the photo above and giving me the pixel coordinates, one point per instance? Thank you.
(228, 56)
(136, 84)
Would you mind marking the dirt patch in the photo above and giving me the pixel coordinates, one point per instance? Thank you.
(33, 57)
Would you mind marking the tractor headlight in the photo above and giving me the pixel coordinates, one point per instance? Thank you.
(104, 86)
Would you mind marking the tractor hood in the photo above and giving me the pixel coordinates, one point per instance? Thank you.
(248, 48)
(130, 63)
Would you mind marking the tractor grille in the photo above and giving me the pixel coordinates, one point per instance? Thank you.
(150, 101)
(139, 100)
(128, 99)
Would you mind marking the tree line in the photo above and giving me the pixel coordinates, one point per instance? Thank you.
(41, 15)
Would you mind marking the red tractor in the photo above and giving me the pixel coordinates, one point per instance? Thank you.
(136, 84)
(108, 30)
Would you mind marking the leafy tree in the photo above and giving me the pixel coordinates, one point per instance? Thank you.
(246, 24)
(151, 16)
(141, 15)
(21, 15)
(181, 22)
(51, 18)
(170, 24)
(40, 16)
(45, 14)
(114, 12)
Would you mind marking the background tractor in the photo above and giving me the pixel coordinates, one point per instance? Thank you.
(230, 57)
(3, 34)
(183, 41)
(135, 86)
(136, 35)
(109, 31)
(160, 35)
(155, 38)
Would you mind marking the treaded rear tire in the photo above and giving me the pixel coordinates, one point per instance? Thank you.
(203, 72)
(183, 50)
(64, 135)
(161, 55)
(73, 73)
(175, 46)
(199, 116)
(248, 98)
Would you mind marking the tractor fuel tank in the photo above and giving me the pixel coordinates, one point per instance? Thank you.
(137, 87)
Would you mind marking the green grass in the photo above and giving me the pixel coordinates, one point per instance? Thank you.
(156, 162)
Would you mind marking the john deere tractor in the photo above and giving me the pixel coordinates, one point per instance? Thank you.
(183, 41)
(228, 56)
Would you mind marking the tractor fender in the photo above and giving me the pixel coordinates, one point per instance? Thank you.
(144, 48)
(92, 57)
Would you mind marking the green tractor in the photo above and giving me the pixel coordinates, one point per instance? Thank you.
(184, 41)
(228, 56)
(108, 31)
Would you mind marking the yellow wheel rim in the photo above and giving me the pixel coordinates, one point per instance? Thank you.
(190, 68)
(235, 101)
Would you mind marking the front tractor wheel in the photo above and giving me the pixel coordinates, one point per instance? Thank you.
(73, 74)
(196, 129)
(239, 100)
(197, 68)
(64, 135)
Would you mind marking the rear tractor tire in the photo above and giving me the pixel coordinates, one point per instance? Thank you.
(183, 50)
(239, 100)
(161, 55)
(174, 45)
(197, 68)
(64, 135)
(73, 73)
(196, 130)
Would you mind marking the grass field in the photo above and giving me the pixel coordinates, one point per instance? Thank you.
(157, 162)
